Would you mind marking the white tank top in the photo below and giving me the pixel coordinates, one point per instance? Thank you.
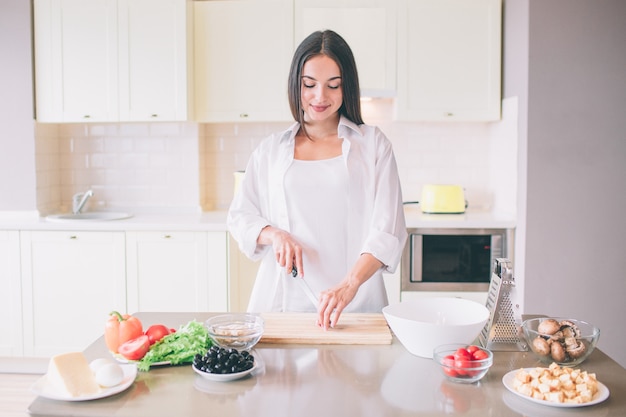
(317, 203)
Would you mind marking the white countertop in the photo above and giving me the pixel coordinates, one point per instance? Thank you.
(471, 219)
(330, 380)
(206, 221)
(216, 221)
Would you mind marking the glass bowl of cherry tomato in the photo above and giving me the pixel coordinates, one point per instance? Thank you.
(463, 363)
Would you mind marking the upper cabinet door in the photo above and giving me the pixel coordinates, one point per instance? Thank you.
(242, 55)
(76, 60)
(111, 60)
(369, 27)
(449, 60)
(153, 60)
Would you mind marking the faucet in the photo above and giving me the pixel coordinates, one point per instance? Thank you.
(79, 200)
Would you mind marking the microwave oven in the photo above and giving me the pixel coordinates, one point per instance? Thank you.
(454, 259)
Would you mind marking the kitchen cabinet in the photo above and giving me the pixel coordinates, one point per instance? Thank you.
(71, 280)
(111, 60)
(155, 52)
(10, 294)
(76, 60)
(176, 271)
(242, 53)
(368, 26)
(449, 60)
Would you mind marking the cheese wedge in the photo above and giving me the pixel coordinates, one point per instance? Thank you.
(70, 374)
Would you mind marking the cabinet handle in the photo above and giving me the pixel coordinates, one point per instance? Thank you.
(154, 115)
(73, 237)
(448, 114)
(86, 116)
(243, 115)
(167, 236)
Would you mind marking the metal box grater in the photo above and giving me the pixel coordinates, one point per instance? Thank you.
(502, 331)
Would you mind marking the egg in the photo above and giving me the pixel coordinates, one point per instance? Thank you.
(98, 363)
(109, 375)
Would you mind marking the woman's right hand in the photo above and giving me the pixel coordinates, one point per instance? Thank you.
(287, 250)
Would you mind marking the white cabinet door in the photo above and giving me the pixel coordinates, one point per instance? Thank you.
(175, 271)
(10, 295)
(71, 281)
(242, 55)
(153, 60)
(112, 60)
(369, 27)
(449, 60)
(76, 63)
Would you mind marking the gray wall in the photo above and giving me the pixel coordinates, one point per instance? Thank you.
(17, 137)
(575, 138)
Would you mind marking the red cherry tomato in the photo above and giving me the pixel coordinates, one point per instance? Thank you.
(135, 349)
(462, 354)
(472, 348)
(462, 359)
(448, 363)
(157, 332)
(479, 355)
(462, 366)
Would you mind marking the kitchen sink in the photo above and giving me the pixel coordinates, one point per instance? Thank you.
(88, 216)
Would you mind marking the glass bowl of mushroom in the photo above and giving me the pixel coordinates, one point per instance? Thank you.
(567, 342)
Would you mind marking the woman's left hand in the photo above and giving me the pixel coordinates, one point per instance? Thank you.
(333, 301)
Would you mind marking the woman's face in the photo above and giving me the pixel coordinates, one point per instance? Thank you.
(321, 91)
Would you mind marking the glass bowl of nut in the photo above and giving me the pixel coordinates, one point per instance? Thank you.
(567, 342)
(239, 331)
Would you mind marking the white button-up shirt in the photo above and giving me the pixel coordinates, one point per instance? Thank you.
(376, 223)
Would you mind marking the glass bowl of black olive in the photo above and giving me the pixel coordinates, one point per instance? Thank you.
(221, 364)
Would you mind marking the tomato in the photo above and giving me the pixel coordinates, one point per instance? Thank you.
(462, 359)
(472, 348)
(462, 354)
(135, 349)
(448, 363)
(157, 332)
(464, 364)
(479, 355)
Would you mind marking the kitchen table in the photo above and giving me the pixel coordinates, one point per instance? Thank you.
(330, 380)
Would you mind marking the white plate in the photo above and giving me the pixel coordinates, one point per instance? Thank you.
(42, 388)
(122, 359)
(223, 377)
(509, 377)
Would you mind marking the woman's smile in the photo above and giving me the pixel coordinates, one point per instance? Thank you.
(321, 90)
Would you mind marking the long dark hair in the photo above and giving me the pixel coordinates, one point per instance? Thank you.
(332, 45)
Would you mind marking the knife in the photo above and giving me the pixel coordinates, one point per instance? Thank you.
(305, 287)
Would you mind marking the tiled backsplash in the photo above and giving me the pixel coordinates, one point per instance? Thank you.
(189, 167)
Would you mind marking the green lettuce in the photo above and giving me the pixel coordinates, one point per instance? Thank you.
(179, 347)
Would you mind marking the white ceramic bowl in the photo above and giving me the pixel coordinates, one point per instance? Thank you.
(421, 325)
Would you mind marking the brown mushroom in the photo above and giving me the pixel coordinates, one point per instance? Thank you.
(576, 350)
(548, 327)
(541, 346)
(569, 329)
(557, 352)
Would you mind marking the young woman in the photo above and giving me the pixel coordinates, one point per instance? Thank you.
(321, 199)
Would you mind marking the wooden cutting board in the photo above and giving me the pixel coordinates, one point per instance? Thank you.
(300, 328)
